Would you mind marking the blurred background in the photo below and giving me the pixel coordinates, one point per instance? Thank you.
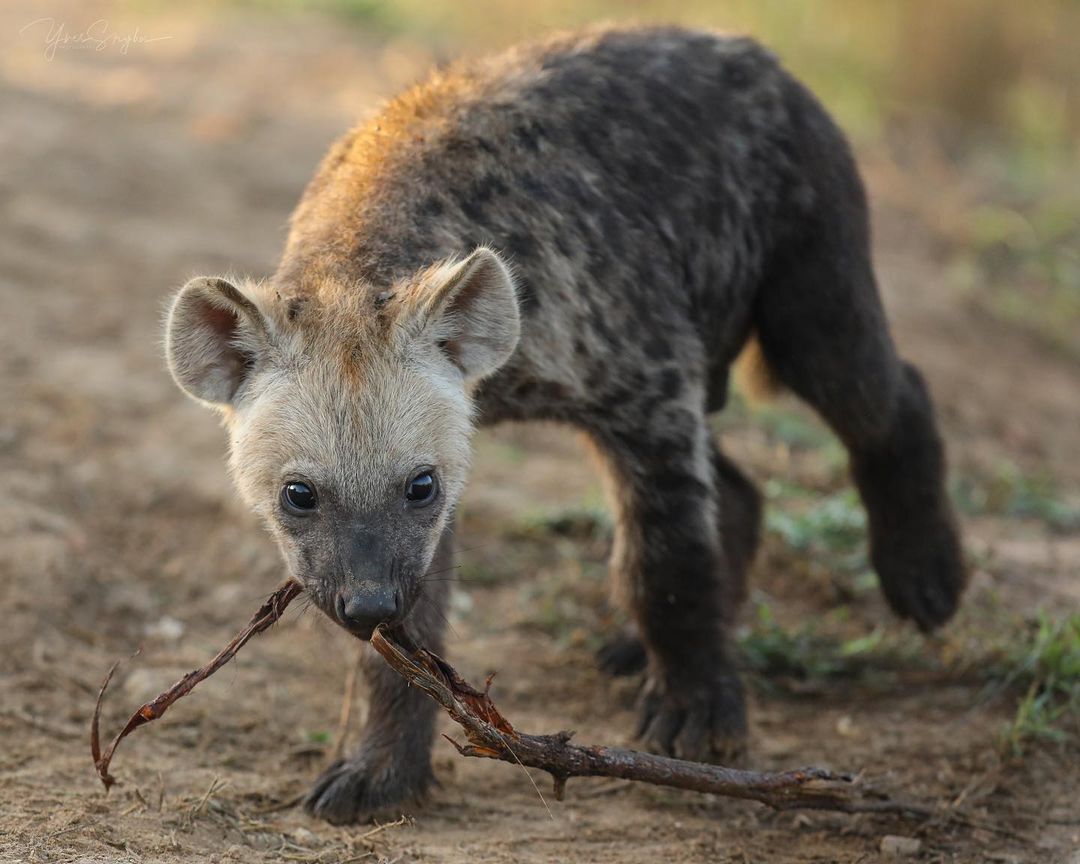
(143, 143)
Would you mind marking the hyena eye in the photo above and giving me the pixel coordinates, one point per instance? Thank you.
(299, 498)
(422, 489)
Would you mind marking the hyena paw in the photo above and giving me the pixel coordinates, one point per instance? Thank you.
(354, 789)
(622, 654)
(923, 579)
(701, 721)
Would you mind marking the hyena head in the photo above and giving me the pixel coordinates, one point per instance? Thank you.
(349, 416)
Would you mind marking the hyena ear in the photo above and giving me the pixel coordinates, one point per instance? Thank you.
(472, 313)
(213, 336)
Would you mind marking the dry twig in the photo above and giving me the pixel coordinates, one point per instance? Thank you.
(338, 748)
(268, 613)
(491, 735)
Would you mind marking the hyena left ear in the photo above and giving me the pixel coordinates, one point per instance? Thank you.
(213, 337)
(472, 313)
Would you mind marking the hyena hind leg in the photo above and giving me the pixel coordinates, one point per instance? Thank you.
(823, 333)
(740, 534)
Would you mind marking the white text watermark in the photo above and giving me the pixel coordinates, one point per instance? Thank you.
(97, 36)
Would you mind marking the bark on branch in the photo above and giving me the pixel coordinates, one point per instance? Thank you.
(490, 735)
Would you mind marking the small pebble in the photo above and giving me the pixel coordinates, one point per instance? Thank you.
(900, 847)
(166, 629)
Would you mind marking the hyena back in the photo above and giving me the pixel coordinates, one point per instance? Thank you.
(588, 231)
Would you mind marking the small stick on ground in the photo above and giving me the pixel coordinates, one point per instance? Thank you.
(268, 613)
(338, 750)
(491, 736)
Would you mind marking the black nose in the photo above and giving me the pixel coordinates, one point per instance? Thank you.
(363, 606)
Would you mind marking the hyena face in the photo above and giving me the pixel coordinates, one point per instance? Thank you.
(349, 416)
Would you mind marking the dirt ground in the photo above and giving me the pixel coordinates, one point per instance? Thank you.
(123, 174)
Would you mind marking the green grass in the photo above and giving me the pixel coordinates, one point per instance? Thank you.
(777, 656)
(1038, 664)
(577, 522)
(566, 603)
(566, 550)
(1046, 668)
(827, 529)
(1013, 494)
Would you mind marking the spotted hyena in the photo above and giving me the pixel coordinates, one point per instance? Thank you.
(587, 230)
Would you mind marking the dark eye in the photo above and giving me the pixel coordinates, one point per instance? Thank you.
(299, 498)
(422, 489)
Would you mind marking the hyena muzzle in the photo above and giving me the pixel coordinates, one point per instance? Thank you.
(587, 230)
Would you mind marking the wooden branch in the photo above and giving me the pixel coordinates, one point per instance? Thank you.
(268, 613)
(490, 735)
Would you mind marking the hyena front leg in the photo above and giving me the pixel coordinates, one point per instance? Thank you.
(393, 761)
(671, 572)
(740, 535)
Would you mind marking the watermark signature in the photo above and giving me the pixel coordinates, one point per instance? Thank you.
(97, 36)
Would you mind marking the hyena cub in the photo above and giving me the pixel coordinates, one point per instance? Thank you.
(586, 230)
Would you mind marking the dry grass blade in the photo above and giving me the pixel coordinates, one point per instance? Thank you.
(268, 613)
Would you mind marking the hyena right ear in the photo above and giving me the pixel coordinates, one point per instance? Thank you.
(213, 336)
(470, 309)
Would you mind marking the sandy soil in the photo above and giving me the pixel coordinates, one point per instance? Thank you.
(126, 173)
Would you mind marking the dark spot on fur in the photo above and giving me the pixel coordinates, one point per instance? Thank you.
(595, 380)
(552, 391)
(535, 188)
(525, 390)
(529, 135)
(738, 72)
(670, 383)
(658, 348)
(613, 230)
(645, 173)
(526, 297)
(465, 147)
(604, 333)
(521, 246)
(578, 193)
(649, 403)
(481, 192)
(617, 395)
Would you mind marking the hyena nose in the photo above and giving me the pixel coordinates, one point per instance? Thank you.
(364, 606)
